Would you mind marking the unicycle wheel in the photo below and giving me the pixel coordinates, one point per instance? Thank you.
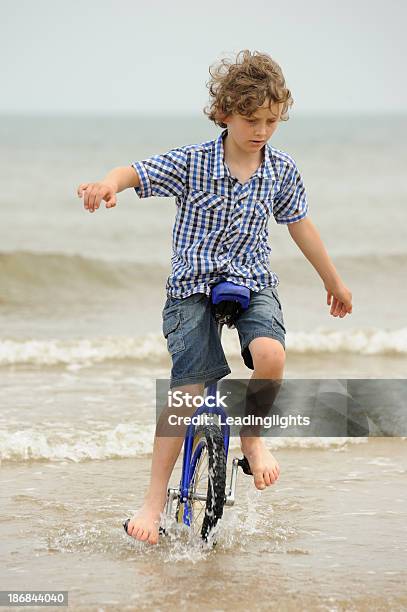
(206, 492)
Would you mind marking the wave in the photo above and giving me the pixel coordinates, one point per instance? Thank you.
(82, 352)
(151, 348)
(357, 342)
(24, 271)
(122, 442)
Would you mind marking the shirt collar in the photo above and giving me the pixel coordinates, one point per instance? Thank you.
(220, 170)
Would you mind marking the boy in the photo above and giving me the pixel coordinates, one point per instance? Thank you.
(225, 191)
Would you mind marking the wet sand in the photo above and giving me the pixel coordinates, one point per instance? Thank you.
(331, 535)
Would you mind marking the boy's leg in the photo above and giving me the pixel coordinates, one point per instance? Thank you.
(145, 523)
(262, 338)
(268, 358)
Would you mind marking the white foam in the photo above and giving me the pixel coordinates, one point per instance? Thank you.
(151, 347)
(362, 342)
(124, 441)
(82, 352)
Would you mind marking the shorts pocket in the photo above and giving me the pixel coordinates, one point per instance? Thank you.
(275, 295)
(172, 330)
(278, 327)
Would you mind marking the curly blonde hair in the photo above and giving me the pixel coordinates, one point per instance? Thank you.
(242, 86)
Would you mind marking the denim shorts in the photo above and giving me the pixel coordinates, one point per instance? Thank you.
(193, 340)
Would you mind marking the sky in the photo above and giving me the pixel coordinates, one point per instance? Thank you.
(125, 56)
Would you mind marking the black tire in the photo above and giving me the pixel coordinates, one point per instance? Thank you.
(213, 481)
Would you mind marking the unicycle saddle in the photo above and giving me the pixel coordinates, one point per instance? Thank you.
(228, 301)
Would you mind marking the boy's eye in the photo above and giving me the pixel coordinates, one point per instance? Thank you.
(254, 121)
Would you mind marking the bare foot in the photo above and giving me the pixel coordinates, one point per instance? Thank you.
(145, 523)
(262, 463)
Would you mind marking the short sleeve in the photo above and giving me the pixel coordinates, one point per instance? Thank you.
(162, 175)
(290, 204)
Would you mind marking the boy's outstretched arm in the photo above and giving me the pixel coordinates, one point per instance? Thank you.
(116, 180)
(306, 236)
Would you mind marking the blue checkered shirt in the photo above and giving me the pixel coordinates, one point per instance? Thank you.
(221, 226)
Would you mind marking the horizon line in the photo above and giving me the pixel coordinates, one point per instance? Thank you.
(116, 114)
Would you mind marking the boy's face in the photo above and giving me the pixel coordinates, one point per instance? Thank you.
(252, 133)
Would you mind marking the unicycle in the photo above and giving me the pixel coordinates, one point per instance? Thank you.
(199, 500)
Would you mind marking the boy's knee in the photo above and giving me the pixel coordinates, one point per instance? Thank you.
(268, 357)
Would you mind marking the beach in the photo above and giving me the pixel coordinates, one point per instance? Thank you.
(81, 347)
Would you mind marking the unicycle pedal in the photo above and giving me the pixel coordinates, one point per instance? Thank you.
(244, 464)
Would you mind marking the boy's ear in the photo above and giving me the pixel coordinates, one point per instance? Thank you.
(222, 117)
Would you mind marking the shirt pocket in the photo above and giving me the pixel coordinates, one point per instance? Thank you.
(209, 210)
(261, 209)
(257, 218)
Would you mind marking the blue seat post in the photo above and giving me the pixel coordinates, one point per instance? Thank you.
(237, 298)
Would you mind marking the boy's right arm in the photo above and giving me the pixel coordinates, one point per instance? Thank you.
(115, 181)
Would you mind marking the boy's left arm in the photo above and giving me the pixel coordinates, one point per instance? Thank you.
(306, 236)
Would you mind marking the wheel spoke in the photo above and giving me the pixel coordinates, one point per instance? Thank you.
(203, 474)
(197, 505)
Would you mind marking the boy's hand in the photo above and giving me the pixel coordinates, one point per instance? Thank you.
(340, 299)
(94, 193)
